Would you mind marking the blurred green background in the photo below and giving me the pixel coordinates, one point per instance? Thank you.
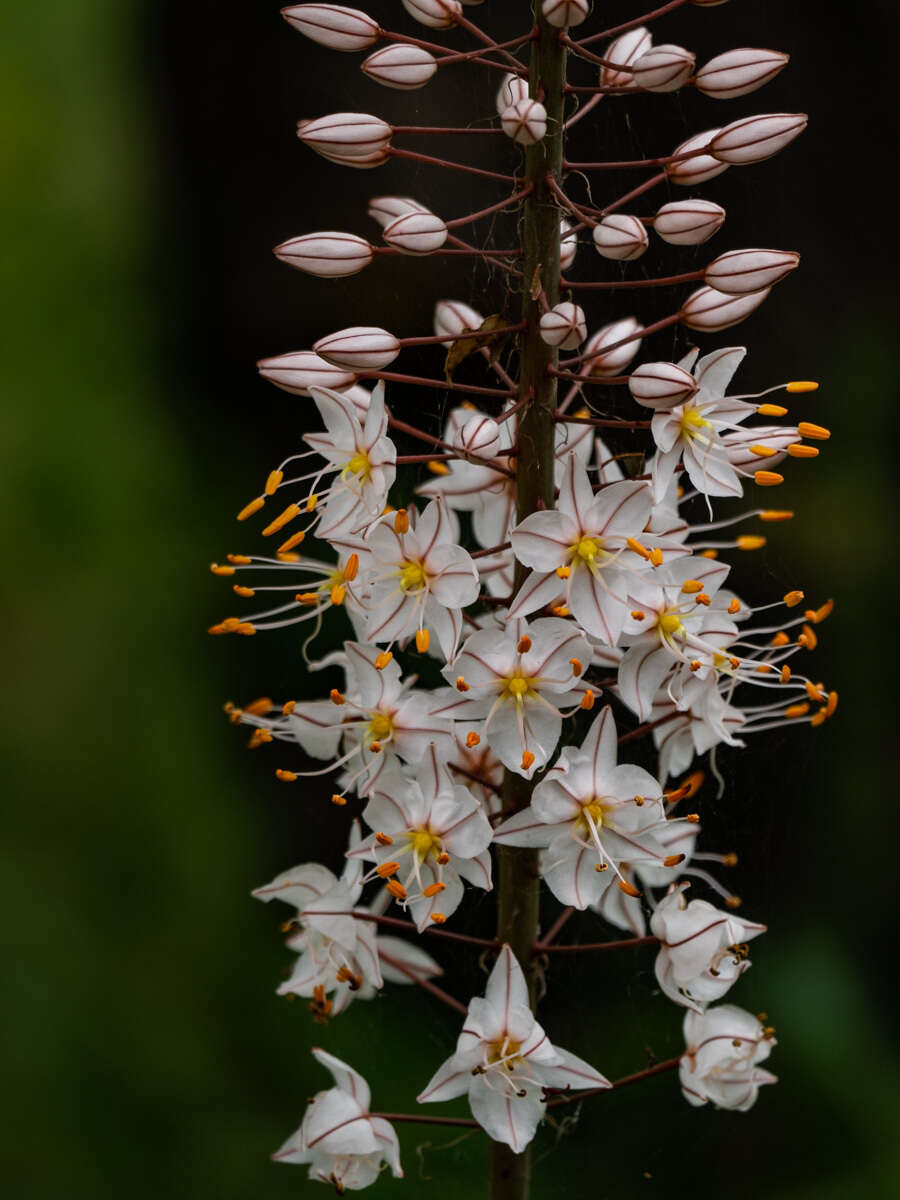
(148, 165)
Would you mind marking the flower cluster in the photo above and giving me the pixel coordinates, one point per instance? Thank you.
(569, 605)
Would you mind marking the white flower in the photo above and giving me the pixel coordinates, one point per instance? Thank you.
(591, 815)
(517, 682)
(580, 549)
(675, 622)
(429, 835)
(504, 1061)
(703, 950)
(363, 456)
(341, 1142)
(421, 579)
(724, 1046)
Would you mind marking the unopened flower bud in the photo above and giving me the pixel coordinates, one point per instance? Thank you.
(480, 436)
(361, 348)
(624, 51)
(614, 361)
(416, 233)
(525, 121)
(741, 271)
(688, 222)
(699, 167)
(436, 14)
(663, 68)
(568, 245)
(402, 67)
(302, 370)
(755, 139)
(710, 310)
(564, 326)
(453, 318)
(354, 139)
(333, 26)
(329, 255)
(564, 13)
(661, 385)
(385, 209)
(738, 72)
(621, 237)
(511, 90)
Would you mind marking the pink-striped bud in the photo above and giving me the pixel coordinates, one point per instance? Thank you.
(436, 14)
(480, 435)
(385, 209)
(511, 90)
(564, 326)
(353, 139)
(453, 318)
(402, 67)
(621, 237)
(688, 222)
(525, 122)
(662, 385)
(710, 310)
(613, 361)
(329, 255)
(699, 167)
(416, 233)
(360, 348)
(739, 72)
(755, 139)
(663, 68)
(302, 370)
(568, 245)
(741, 271)
(564, 13)
(333, 26)
(623, 52)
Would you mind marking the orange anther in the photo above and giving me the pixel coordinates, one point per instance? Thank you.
(764, 668)
(560, 610)
(785, 673)
(240, 559)
(245, 592)
(286, 776)
(253, 507)
(383, 659)
(351, 568)
(767, 478)
(438, 918)
(776, 514)
(384, 839)
(433, 889)
(734, 606)
(690, 587)
(799, 450)
(695, 664)
(818, 718)
(294, 540)
(338, 799)
(524, 645)
(273, 482)
(423, 640)
(628, 888)
(337, 697)
(796, 710)
(307, 598)
(792, 599)
(762, 451)
(245, 628)
(797, 386)
(750, 541)
(443, 858)
(709, 554)
(577, 666)
(288, 707)
(816, 433)
(217, 570)
(338, 593)
(637, 615)
(259, 708)
(771, 410)
(823, 612)
(780, 639)
(438, 468)
(636, 546)
(672, 860)
(656, 556)
(702, 599)
(832, 703)
(461, 685)
(401, 521)
(563, 572)
(472, 739)
(587, 701)
(292, 510)
(387, 869)
(808, 638)
(397, 890)
(694, 818)
(527, 760)
(814, 694)
(733, 902)
(730, 859)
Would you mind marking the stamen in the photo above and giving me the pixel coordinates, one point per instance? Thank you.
(383, 659)
(734, 606)
(771, 410)
(253, 507)
(801, 385)
(690, 587)
(401, 521)
(437, 468)
(387, 869)
(338, 799)
(628, 888)
(587, 701)
(217, 570)
(525, 645)
(792, 599)
(796, 710)
(244, 592)
(288, 707)
(259, 708)
(241, 559)
(798, 450)
(337, 697)
(461, 685)
(273, 482)
(472, 739)
(577, 668)
(396, 889)
(527, 760)
(776, 514)
(638, 548)
(816, 433)
(785, 673)
(423, 640)
(814, 694)
(352, 568)
(749, 541)
(438, 918)
(286, 776)
(762, 451)
(563, 572)
(294, 540)
(780, 639)
(292, 510)
(433, 889)
(767, 478)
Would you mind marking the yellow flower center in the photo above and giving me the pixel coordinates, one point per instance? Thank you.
(423, 842)
(380, 727)
(594, 810)
(588, 549)
(358, 465)
(669, 624)
(504, 1048)
(518, 686)
(692, 422)
(412, 577)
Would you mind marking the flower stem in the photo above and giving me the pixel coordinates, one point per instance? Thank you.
(518, 880)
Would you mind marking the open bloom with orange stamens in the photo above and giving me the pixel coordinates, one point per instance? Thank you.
(519, 683)
(430, 834)
(504, 1061)
(580, 550)
(591, 815)
(420, 579)
(342, 1143)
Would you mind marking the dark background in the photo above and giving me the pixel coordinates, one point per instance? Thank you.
(149, 165)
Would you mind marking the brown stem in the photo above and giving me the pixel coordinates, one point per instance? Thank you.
(631, 24)
(620, 944)
(409, 927)
(669, 1065)
(447, 999)
(394, 152)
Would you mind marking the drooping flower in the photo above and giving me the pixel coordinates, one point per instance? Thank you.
(342, 1143)
(429, 835)
(503, 1061)
(703, 950)
(591, 816)
(519, 683)
(724, 1046)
